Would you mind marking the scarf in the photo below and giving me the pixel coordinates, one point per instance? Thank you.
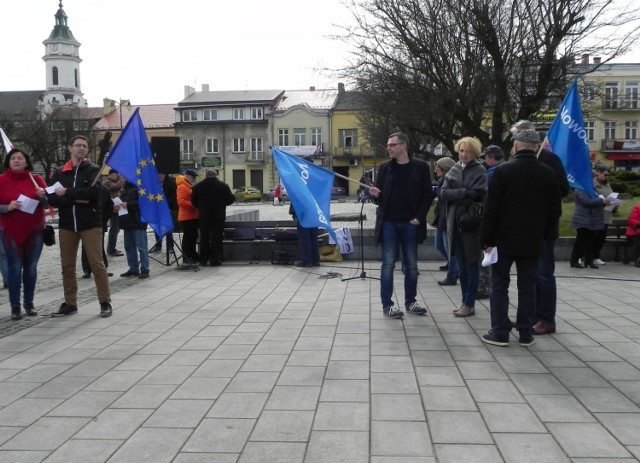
(17, 225)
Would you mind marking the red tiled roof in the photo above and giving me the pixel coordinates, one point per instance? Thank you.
(153, 117)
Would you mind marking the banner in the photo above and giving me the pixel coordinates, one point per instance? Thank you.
(132, 158)
(568, 140)
(309, 189)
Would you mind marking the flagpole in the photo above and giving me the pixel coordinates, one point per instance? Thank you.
(544, 142)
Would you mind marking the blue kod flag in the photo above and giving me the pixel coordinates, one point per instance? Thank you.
(569, 141)
(132, 158)
(309, 189)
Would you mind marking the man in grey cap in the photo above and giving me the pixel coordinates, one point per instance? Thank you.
(546, 292)
(520, 212)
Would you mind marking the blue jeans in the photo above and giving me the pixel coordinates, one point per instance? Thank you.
(527, 275)
(469, 274)
(404, 236)
(546, 292)
(4, 265)
(135, 241)
(22, 263)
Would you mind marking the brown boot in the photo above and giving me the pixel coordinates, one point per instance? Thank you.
(465, 311)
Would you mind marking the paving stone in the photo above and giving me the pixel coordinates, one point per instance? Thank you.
(587, 440)
(238, 405)
(293, 398)
(517, 447)
(338, 447)
(48, 433)
(273, 452)
(283, 426)
(341, 416)
(458, 428)
(157, 445)
(84, 451)
(220, 436)
(176, 413)
(114, 423)
(400, 439)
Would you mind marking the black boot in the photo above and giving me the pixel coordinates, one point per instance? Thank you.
(31, 311)
(15, 313)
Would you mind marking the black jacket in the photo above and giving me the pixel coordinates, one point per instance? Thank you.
(522, 206)
(419, 201)
(132, 220)
(79, 209)
(211, 196)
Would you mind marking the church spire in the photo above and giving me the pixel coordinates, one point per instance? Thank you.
(61, 31)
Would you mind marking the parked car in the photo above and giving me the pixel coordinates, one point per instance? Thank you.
(338, 191)
(268, 196)
(247, 193)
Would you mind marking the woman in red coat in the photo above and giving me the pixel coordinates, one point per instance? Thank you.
(633, 233)
(22, 230)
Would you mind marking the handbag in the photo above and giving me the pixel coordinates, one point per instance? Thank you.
(330, 253)
(49, 237)
(469, 215)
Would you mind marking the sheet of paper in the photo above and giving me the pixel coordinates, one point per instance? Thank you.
(118, 202)
(53, 188)
(490, 257)
(613, 197)
(28, 205)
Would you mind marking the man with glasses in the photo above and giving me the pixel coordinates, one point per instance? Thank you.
(77, 197)
(404, 194)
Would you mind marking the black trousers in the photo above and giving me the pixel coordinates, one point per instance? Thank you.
(190, 239)
(211, 235)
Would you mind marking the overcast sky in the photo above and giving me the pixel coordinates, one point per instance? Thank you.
(148, 50)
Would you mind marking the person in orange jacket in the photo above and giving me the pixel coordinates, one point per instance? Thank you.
(187, 216)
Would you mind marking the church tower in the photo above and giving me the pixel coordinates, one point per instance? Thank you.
(62, 61)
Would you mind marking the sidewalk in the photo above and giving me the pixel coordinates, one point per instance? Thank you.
(262, 363)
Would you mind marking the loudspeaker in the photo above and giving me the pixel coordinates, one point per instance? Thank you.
(166, 151)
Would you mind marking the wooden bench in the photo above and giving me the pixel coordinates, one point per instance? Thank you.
(617, 238)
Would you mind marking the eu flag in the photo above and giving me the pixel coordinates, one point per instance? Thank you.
(309, 189)
(569, 141)
(132, 158)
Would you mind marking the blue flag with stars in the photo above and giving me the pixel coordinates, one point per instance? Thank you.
(131, 156)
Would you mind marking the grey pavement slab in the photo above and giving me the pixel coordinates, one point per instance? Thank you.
(224, 365)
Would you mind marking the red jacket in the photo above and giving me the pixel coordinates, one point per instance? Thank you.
(633, 222)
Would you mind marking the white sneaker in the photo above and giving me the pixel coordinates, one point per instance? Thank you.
(599, 262)
(580, 261)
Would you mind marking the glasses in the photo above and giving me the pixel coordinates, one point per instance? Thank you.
(391, 145)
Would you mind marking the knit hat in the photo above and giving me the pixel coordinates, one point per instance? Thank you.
(445, 163)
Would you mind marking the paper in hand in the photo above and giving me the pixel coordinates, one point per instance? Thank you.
(27, 204)
(490, 257)
(51, 189)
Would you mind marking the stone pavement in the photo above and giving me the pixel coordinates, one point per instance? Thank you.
(262, 363)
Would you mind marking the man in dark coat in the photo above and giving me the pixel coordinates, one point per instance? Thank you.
(404, 195)
(211, 196)
(521, 211)
(546, 291)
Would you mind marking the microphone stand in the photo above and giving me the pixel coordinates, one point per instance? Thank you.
(363, 274)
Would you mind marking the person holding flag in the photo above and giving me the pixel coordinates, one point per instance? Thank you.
(131, 156)
(404, 195)
(76, 195)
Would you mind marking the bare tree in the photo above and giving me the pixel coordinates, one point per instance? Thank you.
(442, 69)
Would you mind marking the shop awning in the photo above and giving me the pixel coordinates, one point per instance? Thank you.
(634, 156)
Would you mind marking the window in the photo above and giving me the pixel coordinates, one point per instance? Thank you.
(256, 149)
(238, 114)
(187, 150)
(590, 128)
(589, 91)
(283, 137)
(212, 145)
(299, 137)
(609, 130)
(210, 115)
(54, 75)
(348, 138)
(76, 79)
(630, 130)
(611, 95)
(189, 115)
(631, 95)
(256, 112)
(238, 145)
(316, 137)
